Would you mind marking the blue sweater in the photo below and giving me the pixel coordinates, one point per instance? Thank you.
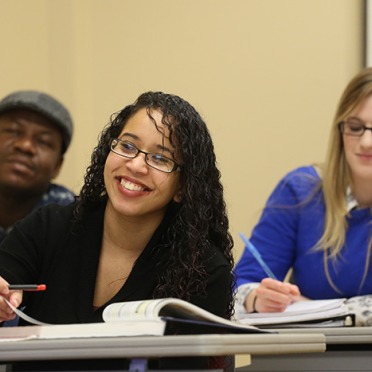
(291, 225)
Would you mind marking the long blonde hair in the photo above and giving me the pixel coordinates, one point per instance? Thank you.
(336, 176)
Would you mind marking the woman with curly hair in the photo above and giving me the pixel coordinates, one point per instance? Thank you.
(150, 222)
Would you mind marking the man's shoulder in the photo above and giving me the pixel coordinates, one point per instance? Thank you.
(56, 194)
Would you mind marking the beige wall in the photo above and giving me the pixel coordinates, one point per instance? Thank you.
(265, 74)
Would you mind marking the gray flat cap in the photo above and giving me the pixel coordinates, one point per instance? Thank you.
(45, 105)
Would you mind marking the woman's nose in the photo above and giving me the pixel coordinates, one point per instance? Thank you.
(366, 139)
(138, 163)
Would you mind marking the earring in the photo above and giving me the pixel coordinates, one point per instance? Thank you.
(178, 197)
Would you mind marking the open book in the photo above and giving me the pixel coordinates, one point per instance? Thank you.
(138, 318)
(179, 316)
(311, 313)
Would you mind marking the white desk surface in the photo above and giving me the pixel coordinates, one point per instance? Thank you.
(342, 335)
(161, 346)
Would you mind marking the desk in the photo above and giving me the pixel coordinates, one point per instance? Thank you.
(161, 346)
(338, 336)
(348, 349)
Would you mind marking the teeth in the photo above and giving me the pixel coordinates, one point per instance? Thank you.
(130, 185)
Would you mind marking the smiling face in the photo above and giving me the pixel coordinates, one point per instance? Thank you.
(358, 150)
(30, 152)
(134, 188)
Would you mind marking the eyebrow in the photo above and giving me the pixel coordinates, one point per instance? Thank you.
(355, 118)
(42, 129)
(135, 137)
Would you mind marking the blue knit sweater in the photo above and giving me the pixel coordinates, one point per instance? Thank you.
(291, 225)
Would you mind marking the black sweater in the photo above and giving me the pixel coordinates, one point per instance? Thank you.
(46, 247)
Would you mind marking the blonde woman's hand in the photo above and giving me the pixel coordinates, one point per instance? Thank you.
(274, 296)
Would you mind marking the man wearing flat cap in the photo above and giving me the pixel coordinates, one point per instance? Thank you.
(35, 132)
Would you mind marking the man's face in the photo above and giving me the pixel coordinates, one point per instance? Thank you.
(30, 152)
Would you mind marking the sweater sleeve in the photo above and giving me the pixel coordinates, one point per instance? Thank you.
(242, 293)
(28, 245)
(275, 235)
(218, 288)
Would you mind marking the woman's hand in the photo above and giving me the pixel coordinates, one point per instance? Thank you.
(272, 296)
(14, 297)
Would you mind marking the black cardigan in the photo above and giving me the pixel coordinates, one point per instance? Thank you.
(46, 247)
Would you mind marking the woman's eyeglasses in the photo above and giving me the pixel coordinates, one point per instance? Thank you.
(353, 127)
(155, 160)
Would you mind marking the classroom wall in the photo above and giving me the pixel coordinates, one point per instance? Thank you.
(265, 74)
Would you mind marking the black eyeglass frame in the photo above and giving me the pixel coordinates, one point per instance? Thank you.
(115, 141)
(341, 128)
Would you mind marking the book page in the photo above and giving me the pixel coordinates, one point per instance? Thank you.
(305, 307)
(84, 330)
(164, 307)
(146, 309)
(24, 316)
(15, 339)
(299, 312)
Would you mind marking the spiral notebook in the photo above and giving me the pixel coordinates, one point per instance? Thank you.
(310, 313)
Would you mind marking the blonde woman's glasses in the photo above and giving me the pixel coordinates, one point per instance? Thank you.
(353, 127)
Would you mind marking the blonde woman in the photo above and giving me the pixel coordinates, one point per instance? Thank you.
(318, 219)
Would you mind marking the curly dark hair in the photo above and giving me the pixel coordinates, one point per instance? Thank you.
(200, 221)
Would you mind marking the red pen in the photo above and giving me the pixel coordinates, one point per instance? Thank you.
(28, 287)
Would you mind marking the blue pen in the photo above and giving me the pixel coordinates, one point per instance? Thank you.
(257, 256)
